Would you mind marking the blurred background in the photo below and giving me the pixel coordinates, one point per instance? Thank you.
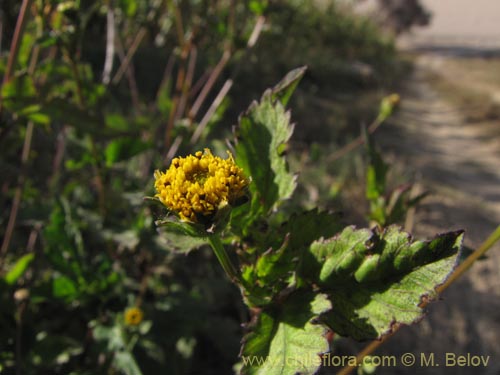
(96, 95)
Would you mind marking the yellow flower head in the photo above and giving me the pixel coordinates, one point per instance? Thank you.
(133, 316)
(197, 185)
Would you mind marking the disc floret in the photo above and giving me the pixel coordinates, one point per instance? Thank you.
(196, 186)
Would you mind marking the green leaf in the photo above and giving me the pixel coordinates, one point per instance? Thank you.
(64, 287)
(376, 171)
(387, 106)
(378, 280)
(311, 225)
(284, 89)
(178, 241)
(181, 227)
(55, 349)
(257, 6)
(19, 93)
(339, 257)
(116, 342)
(117, 122)
(112, 336)
(60, 109)
(19, 268)
(125, 362)
(39, 118)
(275, 269)
(129, 6)
(286, 340)
(262, 135)
(124, 148)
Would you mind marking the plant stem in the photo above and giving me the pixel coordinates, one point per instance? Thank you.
(16, 202)
(223, 258)
(471, 259)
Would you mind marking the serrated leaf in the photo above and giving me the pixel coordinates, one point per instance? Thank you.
(263, 132)
(311, 225)
(285, 340)
(377, 280)
(180, 242)
(275, 269)
(189, 229)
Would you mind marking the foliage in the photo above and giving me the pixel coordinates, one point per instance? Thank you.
(348, 61)
(385, 207)
(304, 273)
(93, 116)
(85, 119)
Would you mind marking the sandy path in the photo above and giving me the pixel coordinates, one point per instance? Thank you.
(460, 163)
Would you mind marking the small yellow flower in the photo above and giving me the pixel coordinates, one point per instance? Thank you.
(133, 316)
(196, 186)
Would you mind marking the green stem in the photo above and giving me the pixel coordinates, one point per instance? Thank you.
(220, 252)
(471, 259)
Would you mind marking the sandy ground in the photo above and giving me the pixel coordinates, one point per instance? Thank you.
(456, 22)
(478, 19)
(459, 162)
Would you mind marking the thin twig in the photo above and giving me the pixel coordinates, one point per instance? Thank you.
(58, 157)
(181, 77)
(410, 215)
(18, 192)
(355, 143)
(130, 53)
(1, 29)
(257, 29)
(185, 45)
(228, 84)
(110, 45)
(467, 263)
(166, 75)
(78, 81)
(187, 82)
(16, 42)
(178, 23)
(200, 83)
(132, 84)
(210, 112)
(209, 84)
(173, 149)
(19, 336)
(16, 202)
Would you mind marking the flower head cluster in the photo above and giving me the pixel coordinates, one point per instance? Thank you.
(133, 316)
(197, 185)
